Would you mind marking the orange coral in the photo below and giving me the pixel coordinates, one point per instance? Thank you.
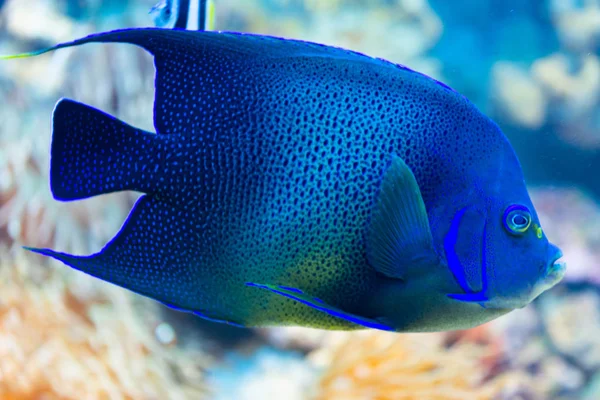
(380, 365)
(483, 336)
(55, 344)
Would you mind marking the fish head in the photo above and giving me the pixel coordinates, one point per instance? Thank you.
(521, 262)
(495, 246)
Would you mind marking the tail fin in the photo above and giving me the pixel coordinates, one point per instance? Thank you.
(94, 153)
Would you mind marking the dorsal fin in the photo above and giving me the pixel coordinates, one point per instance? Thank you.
(201, 77)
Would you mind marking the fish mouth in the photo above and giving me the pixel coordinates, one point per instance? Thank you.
(554, 274)
(556, 269)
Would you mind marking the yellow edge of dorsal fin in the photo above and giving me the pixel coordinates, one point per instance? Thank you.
(27, 55)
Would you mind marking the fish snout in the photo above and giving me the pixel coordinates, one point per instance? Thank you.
(554, 272)
(556, 267)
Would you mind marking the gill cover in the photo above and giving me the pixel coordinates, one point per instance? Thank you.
(464, 246)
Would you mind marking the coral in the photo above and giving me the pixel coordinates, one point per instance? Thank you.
(398, 30)
(413, 25)
(572, 85)
(560, 89)
(520, 97)
(554, 348)
(25, 21)
(556, 73)
(570, 332)
(58, 344)
(577, 23)
(381, 365)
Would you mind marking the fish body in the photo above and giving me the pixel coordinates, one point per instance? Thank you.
(292, 183)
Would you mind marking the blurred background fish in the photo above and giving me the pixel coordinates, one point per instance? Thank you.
(184, 14)
(532, 66)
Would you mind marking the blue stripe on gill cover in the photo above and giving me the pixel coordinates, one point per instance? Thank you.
(451, 256)
(474, 253)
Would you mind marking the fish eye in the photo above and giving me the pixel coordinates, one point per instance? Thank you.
(517, 219)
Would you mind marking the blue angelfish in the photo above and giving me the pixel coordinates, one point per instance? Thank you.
(291, 183)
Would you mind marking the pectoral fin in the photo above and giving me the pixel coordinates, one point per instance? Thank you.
(399, 241)
(317, 304)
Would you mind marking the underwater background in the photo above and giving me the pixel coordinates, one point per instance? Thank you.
(533, 66)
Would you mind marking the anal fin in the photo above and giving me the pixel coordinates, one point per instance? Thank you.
(152, 255)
